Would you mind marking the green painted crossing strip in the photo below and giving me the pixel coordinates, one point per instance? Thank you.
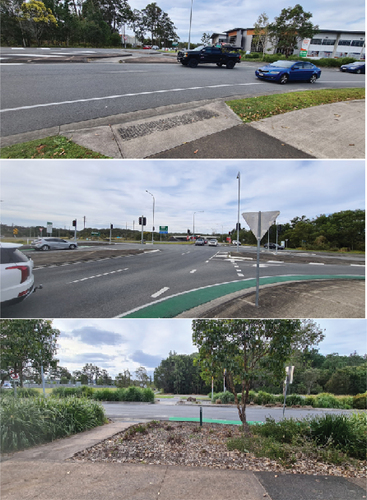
(174, 305)
(212, 421)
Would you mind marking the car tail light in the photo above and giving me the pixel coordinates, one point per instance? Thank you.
(24, 272)
(240, 56)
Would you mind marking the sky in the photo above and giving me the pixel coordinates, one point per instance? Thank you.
(114, 192)
(117, 345)
(216, 16)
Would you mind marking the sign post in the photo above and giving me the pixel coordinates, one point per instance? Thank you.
(259, 223)
(49, 228)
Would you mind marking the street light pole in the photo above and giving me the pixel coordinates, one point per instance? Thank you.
(153, 215)
(193, 221)
(188, 46)
(238, 214)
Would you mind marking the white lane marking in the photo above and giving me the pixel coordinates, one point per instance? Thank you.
(162, 290)
(316, 264)
(11, 64)
(98, 275)
(241, 275)
(34, 55)
(358, 265)
(275, 261)
(119, 96)
(193, 271)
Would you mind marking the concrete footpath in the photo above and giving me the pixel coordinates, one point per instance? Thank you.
(42, 473)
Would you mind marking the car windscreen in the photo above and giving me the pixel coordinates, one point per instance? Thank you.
(201, 47)
(282, 64)
(12, 256)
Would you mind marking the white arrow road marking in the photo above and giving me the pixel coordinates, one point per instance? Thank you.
(162, 290)
(193, 271)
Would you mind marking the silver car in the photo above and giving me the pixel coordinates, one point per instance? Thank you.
(50, 243)
(213, 243)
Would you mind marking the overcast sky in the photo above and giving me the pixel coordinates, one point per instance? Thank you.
(109, 191)
(216, 16)
(116, 345)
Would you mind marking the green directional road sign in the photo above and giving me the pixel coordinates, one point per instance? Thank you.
(163, 229)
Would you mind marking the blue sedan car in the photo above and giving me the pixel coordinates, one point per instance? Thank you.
(355, 67)
(289, 71)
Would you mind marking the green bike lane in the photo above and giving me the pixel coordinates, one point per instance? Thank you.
(174, 305)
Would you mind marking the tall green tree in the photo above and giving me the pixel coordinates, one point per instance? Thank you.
(291, 26)
(261, 33)
(248, 349)
(35, 18)
(123, 379)
(25, 345)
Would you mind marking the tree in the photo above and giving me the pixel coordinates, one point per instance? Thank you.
(246, 349)
(92, 372)
(25, 345)
(123, 379)
(158, 23)
(142, 376)
(206, 38)
(261, 33)
(291, 26)
(34, 18)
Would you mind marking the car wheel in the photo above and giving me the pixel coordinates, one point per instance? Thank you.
(313, 79)
(45, 247)
(230, 64)
(219, 65)
(193, 63)
(283, 79)
(72, 247)
(358, 71)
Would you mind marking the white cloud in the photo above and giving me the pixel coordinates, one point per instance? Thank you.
(115, 192)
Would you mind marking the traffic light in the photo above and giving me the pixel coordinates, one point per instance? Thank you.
(111, 226)
(280, 228)
(74, 223)
(238, 226)
(142, 221)
(188, 232)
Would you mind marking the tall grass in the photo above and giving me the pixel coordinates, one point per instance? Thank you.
(28, 422)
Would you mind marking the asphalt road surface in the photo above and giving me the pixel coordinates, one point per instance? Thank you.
(114, 286)
(164, 411)
(75, 92)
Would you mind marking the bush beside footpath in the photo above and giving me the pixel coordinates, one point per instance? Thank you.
(136, 394)
(322, 400)
(324, 62)
(32, 421)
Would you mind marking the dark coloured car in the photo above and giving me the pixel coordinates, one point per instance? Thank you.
(274, 246)
(289, 71)
(224, 55)
(355, 67)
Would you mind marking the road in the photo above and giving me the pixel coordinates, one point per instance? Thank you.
(114, 286)
(164, 411)
(74, 92)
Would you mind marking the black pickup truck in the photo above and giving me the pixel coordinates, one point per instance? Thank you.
(225, 55)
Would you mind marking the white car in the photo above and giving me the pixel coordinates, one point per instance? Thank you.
(49, 243)
(234, 242)
(213, 243)
(17, 280)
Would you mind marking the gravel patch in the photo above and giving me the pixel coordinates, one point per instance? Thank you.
(188, 444)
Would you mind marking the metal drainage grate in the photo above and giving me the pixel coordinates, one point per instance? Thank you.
(134, 131)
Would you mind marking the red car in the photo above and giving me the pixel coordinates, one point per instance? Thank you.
(147, 47)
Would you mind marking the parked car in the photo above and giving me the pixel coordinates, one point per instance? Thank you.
(147, 47)
(225, 55)
(274, 246)
(234, 242)
(6, 385)
(200, 241)
(289, 71)
(213, 243)
(17, 280)
(155, 47)
(50, 243)
(355, 67)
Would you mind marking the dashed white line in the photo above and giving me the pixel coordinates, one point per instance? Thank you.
(98, 276)
(119, 96)
(316, 264)
(193, 271)
(162, 290)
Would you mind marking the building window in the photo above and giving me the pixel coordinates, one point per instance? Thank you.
(327, 41)
(232, 39)
(357, 43)
(344, 42)
(316, 41)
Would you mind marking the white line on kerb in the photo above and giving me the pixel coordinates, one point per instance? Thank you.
(119, 96)
(162, 290)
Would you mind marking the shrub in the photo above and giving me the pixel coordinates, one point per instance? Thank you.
(264, 398)
(294, 399)
(360, 401)
(22, 392)
(326, 400)
(343, 432)
(147, 395)
(251, 396)
(32, 421)
(133, 394)
(284, 431)
(309, 400)
(225, 397)
(105, 395)
(81, 391)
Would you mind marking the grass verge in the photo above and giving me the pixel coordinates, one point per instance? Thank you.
(54, 147)
(256, 108)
